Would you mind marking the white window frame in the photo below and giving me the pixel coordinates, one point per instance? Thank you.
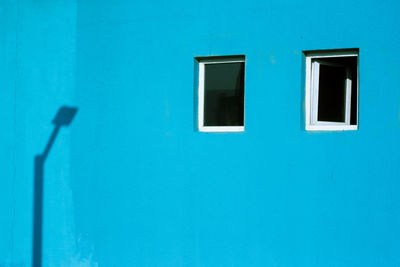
(313, 62)
(202, 128)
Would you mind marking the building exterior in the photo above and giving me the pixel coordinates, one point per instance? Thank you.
(131, 181)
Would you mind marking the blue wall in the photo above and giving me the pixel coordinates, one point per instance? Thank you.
(131, 183)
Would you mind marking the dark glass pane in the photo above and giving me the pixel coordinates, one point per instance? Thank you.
(224, 94)
(332, 93)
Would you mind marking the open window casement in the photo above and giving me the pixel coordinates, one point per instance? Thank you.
(335, 106)
(331, 92)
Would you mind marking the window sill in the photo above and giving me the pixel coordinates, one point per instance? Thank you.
(221, 129)
(331, 127)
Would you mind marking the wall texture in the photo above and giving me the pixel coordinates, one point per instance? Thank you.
(132, 183)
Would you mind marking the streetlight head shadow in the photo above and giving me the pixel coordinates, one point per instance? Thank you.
(64, 116)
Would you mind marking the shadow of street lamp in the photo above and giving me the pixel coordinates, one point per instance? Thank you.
(64, 117)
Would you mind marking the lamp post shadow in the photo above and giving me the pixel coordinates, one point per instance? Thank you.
(64, 117)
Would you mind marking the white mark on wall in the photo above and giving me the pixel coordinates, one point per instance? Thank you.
(79, 261)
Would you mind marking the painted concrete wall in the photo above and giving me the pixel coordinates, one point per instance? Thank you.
(131, 183)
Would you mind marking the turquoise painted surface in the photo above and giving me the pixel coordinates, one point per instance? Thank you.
(130, 183)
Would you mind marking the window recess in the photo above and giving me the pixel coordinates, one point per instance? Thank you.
(221, 94)
(332, 90)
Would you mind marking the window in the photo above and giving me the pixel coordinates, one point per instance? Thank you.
(332, 90)
(221, 94)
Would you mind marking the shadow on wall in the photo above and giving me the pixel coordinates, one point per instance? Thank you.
(63, 117)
